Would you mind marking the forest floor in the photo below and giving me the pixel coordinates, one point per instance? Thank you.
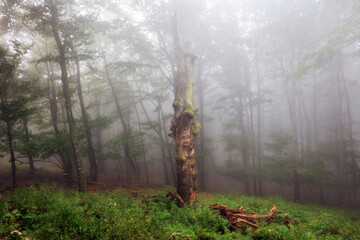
(39, 210)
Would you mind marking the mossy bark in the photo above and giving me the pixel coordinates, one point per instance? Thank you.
(184, 126)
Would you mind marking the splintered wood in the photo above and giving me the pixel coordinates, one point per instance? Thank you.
(240, 218)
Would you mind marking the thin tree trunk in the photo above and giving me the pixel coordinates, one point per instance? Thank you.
(340, 134)
(99, 150)
(168, 148)
(27, 141)
(252, 138)
(258, 108)
(88, 132)
(307, 120)
(12, 155)
(200, 91)
(292, 104)
(354, 166)
(129, 164)
(316, 139)
(245, 146)
(99, 142)
(66, 91)
(142, 140)
(162, 147)
(51, 95)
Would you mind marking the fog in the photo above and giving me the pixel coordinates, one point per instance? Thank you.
(276, 84)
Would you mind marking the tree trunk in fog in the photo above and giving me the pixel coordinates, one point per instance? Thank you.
(316, 138)
(141, 137)
(172, 168)
(99, 151)
(354, 166)
(27, 141)
(184, 126)
(201, 163)
(252, 141)
(258, 108)
(99, 143)
(51, 95)
(162, 143)
(307, 130)
(65, 160)
(291, 97)
(66, 91)
(340, 134)
(129, 163)
(85, 118)
(245, 151)
(11, 150)
(158, 130)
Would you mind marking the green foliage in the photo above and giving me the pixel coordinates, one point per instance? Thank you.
(52, 213)
(28, 145)
(50, 145)
(132, 139)
(101, 122)
(15, 93)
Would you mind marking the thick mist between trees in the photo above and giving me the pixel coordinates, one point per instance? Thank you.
(87, 93)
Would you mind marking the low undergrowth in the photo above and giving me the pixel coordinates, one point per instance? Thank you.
(53, 213)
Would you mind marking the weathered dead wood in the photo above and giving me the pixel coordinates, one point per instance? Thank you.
(176, 197)
(286, 220)
(171, 195)
(238, 216)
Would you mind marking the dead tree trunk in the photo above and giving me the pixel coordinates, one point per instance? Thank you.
(184, 126)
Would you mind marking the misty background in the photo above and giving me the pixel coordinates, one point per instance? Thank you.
(276, 84)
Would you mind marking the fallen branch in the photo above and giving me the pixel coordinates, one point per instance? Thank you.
(286, 220)
(238, 216)
(175, 197)
(171, 195)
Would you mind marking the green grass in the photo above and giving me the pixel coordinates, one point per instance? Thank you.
(52, 213)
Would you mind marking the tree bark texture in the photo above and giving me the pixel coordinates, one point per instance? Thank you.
(184, 126)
